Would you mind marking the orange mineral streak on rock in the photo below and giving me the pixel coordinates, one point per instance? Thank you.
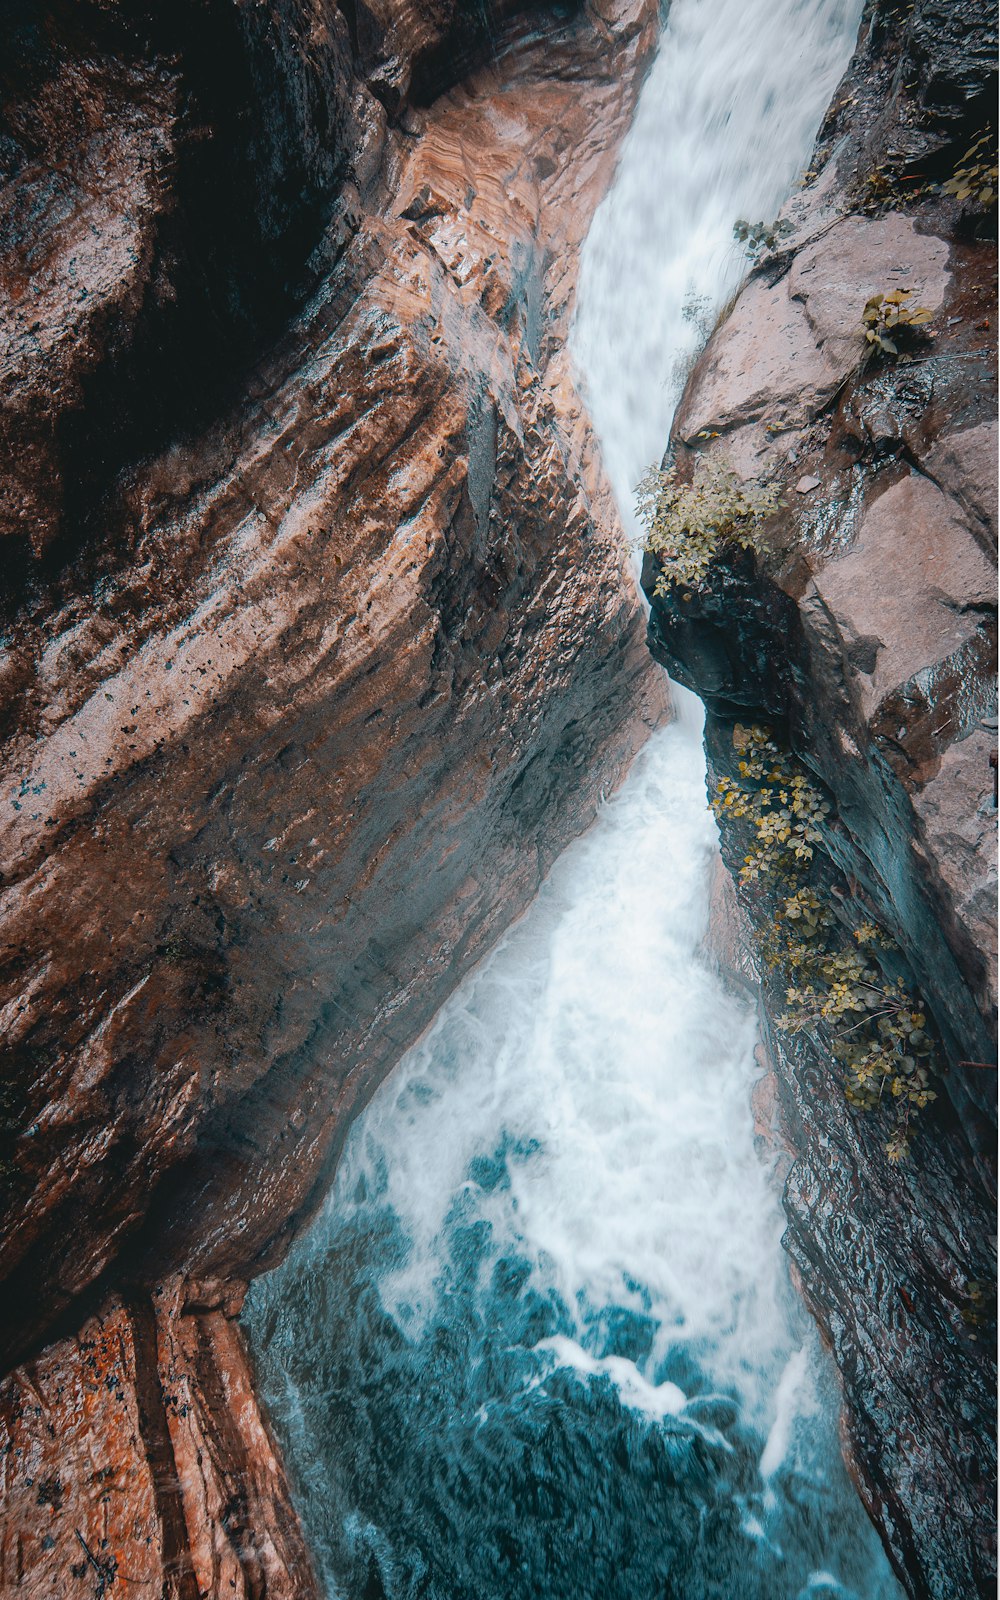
(242, 1536)
(78, 1491)
(135, 1455)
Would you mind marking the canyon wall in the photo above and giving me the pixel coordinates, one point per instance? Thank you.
(319, 644)
(863, 635)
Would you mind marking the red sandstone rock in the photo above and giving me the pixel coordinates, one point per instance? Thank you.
(289, 746)
(884, 576)
(290, 768)
(78, 1490)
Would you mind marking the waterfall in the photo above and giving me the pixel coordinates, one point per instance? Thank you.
(723, 130)
(541, 1343)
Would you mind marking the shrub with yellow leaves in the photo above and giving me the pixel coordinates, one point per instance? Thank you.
(975, 180)
(890, 320)
(836, 991)
(687, 524)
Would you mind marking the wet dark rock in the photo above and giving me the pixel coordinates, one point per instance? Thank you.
(865, 637)
(175, 180)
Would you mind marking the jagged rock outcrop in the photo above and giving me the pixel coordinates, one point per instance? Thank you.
(175, 179)
(864, 635)
(318, 650)
(135, 1455)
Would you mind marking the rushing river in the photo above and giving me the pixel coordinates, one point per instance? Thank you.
(541, 1343)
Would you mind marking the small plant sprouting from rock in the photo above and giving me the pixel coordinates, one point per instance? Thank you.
(890, 320)
(687, 524)
(835, 990)
(980, 1309)
(760, 238)
(698, 311)
(887, 188)
(975, 181)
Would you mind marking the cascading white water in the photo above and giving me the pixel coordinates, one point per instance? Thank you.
(723, 129)
(541, 1342)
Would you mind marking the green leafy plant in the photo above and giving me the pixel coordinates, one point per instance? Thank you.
(975, 180)
(759, 238)
(891, 320)
(836, 991)
(687, 524)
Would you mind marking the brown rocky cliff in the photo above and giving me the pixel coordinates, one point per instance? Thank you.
(299, 706)
(134, 1455)
(864, 635)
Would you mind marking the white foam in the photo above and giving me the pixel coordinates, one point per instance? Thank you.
(787, 1406)
(655, 1400)
(599, 1040)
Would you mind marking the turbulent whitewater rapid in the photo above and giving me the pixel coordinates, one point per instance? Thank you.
(541, 1344)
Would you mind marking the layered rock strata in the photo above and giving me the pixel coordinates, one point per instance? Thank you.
(864, 635)
(304, 689)
(134, 1455)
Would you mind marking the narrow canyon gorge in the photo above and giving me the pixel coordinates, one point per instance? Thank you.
(322, 642)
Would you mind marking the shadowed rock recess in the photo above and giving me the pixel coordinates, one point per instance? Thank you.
(319, 645)
(864, 636)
